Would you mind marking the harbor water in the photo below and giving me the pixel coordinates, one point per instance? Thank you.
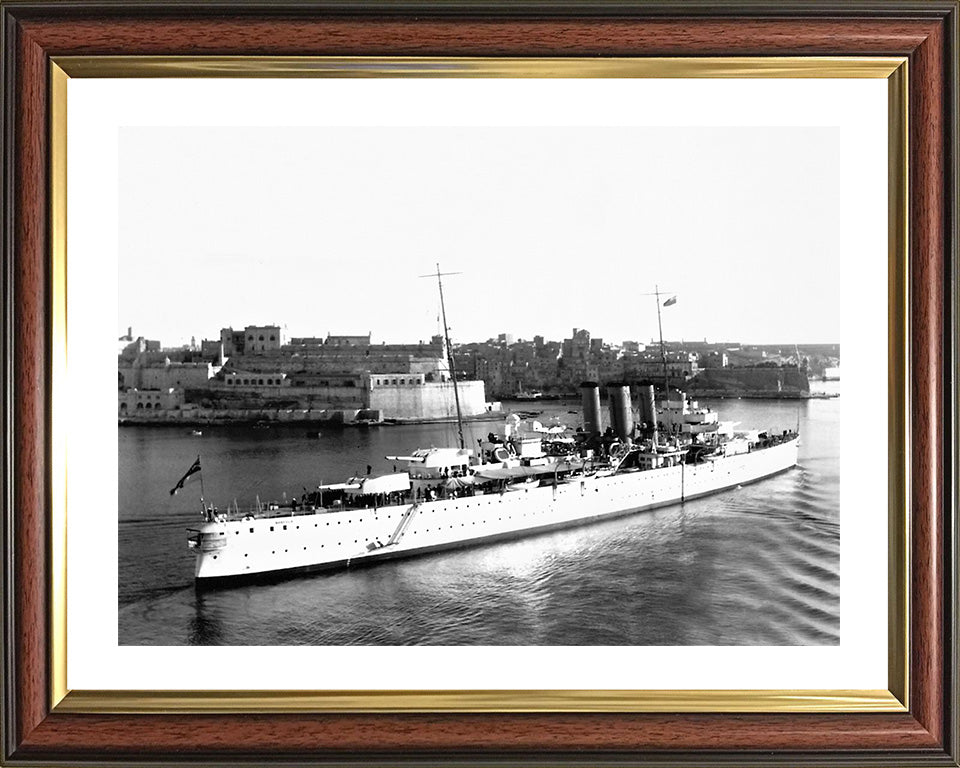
(756, 565)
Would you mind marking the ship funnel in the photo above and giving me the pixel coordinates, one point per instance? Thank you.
(621, 410)
(648, 410)
(592, 417)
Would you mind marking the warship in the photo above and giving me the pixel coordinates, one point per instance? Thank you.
(526, 480)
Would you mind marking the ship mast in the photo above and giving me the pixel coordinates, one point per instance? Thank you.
(663, 354)
(450, 357)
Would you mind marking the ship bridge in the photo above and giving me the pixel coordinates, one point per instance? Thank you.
(684, 416)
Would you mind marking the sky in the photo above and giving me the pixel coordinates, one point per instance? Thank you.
(330, 230)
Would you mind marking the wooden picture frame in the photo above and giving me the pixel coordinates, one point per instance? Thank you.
(41, 727)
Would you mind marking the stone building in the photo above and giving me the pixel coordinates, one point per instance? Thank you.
(143, 373)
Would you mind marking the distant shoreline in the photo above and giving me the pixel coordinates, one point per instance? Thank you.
(711, 394)
(266, 421)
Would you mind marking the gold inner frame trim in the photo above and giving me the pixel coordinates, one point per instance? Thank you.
(58, 392)
(387, 701)
(434, 66)
(898, 384)
(893, 69)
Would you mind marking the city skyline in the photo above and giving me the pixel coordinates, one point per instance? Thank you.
(650, 344)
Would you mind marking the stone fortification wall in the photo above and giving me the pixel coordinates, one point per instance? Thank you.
(344, 360)
(431, 401)
(758, 382)
(278, 397)
(427, 401)
(175, 375)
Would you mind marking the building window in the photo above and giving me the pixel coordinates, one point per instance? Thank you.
(139, 406)
(260, 381)
(123, 406)
(269, 381)
(261, 338)
(249, 338)
(273, 338)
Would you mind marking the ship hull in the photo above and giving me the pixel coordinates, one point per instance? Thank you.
(272, 549)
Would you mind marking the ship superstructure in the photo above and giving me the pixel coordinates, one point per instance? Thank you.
(528, 479)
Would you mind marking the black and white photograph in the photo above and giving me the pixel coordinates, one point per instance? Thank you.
(479, 386)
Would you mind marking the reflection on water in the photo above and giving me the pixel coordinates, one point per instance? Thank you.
(755, 565)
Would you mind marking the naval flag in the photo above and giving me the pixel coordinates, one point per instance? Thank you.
(670, 302)
(194, 470)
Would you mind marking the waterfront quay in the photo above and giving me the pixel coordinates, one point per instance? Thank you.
(258, 375)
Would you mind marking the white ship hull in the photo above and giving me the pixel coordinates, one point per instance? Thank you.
(274, 547)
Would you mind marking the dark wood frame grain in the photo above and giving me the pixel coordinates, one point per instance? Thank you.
(926, 32)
